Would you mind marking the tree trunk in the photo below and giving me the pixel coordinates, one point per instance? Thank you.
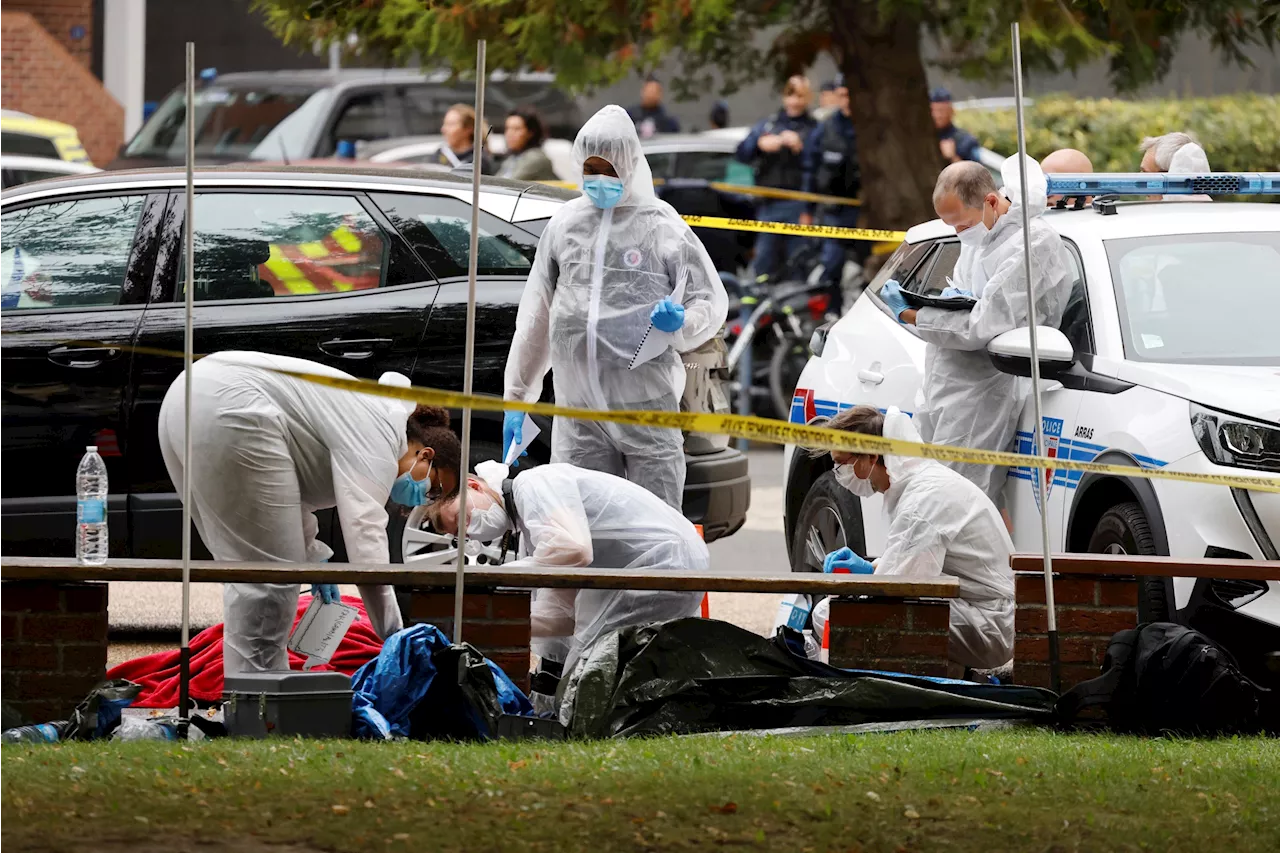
(888, 94)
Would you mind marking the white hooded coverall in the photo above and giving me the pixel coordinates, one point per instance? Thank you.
(572, 517)
(596, 277)
(967, 401)
(267, 451)
(941, 524)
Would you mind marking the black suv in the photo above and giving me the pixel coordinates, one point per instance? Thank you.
(365, 271)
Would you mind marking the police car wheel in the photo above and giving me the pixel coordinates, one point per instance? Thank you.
(1124, 529)
(830, 518)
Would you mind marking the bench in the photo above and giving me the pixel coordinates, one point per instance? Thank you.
(55, 612)
(1096, 595)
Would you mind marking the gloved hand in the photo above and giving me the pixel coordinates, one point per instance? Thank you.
(845, 561)
(949, 292)
(328, 592)
(667, 316)
(512, 433)
(891, 295)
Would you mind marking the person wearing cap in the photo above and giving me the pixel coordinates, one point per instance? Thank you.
(967, 401)
(650, 116)
(831, 168)
(774, 149)
(955, 144)
(719, 117)
(829, 98)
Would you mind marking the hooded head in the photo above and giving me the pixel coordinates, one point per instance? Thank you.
(899, 426)
(611, 136)
(1190, 159)
(1035, 195)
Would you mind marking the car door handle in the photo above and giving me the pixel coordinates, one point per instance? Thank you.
(871, 377)
(354, 348)
(82, 357)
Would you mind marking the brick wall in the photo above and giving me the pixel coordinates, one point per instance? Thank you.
(495, 622)
(890, 634)
(1090, 609)
(59, 18)
(54, 645)
(39, 76)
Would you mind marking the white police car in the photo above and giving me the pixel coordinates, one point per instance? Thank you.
(1168, 356)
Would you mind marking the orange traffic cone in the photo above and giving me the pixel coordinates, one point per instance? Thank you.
(706, 598)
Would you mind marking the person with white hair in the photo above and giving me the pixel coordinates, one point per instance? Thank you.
(968, 402)
(1158, 151)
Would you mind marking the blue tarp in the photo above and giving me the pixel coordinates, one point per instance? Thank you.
(420, 686)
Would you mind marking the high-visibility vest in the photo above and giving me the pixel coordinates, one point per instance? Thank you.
(323, 266)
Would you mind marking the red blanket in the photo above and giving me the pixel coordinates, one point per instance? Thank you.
(158, 673)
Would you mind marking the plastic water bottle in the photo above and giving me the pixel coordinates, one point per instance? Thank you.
(91, 509)
(42, 733)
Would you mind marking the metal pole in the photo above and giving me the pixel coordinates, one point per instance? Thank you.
(745, 368)
(1041, 474)
(477, 142)
(184, 657)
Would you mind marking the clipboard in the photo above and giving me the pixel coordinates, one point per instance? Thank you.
(320, 631)
(951, 303)
(655, 342)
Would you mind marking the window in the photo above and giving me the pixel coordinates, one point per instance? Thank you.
(1198, 298)
(1075, 314)
(25, 143)
(425, 106)
(364, 116)
(439, 228)
(660, 164)
(229, 123)
(711, 166)
(900, 264)
(257, 246)
(931, 277)
(70, 254)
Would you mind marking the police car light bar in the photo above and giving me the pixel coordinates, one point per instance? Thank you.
(1143, 183)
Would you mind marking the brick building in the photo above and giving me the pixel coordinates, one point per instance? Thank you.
(48, 59)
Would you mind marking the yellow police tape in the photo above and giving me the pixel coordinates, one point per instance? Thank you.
(746, 189)
(874, 234)
(780, 432)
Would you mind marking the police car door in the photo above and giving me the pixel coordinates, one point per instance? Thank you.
(1064, 438)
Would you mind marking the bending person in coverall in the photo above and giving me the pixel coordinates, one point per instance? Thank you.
(939, 524)
(967, 401)
(268, 451)
(574, 518)
(607, 265)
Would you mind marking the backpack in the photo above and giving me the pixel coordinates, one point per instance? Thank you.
(1164, 677)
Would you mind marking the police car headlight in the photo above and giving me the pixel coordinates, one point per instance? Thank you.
(1233, 441)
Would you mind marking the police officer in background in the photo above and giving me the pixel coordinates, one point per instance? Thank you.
(831, 168)
(954, 143)
(774, 149)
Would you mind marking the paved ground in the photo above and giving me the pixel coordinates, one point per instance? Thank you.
(757, 548)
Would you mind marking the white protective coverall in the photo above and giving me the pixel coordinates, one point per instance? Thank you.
(267, 451)
(940, 524)
(597, 275)
(967, 401)
(1190, 159)
(572, 517)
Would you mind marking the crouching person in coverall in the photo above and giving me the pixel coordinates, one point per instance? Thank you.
(270, 450)
(570, 517)
(939, 523)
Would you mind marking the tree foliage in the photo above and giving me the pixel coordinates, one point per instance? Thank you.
(597, 42)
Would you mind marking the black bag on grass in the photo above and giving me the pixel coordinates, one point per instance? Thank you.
(1164, 677)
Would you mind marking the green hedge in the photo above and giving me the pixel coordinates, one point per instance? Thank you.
(1239, 133)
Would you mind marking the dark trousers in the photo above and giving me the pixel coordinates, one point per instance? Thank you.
(772, 250)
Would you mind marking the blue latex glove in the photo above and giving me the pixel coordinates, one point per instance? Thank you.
(844, 560)
(950, 292)
(891, 295)
(667, 316)
(512, 433)
(328, 592)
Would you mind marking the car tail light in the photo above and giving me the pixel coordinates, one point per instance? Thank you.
(818, 304)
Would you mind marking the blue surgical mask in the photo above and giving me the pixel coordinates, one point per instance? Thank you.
(407, 491)
(605, 191)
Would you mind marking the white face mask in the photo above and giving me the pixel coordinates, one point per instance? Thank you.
(846, 477)
(972, 236)
(490, 523)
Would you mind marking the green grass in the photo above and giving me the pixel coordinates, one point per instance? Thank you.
(929, 790)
